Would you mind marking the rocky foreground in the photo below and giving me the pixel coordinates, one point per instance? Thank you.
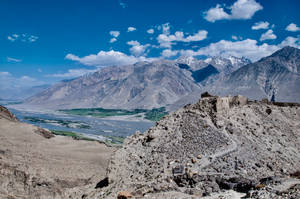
(36, 164)
(217, 148)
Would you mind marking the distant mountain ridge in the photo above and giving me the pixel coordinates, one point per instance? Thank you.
(276, 77)
(173, 83)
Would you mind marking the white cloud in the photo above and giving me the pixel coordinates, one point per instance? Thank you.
(241, 9)
(260, 25)
(114, 33)
(10, 82)
(150, 31)
(290, 41)
(137, 49)
(133, 43)
(244, 9)
(11, 38)
(10, 59)
(215, 14)
(292, 27)
(245, 48)
(22, 37)
(112, 40)
(130, 29)
(169, 53)
(107, 58)
(165, 40)
(268, 35)
(32, 38)
(73, 73)
(234, 37)
(200, 35)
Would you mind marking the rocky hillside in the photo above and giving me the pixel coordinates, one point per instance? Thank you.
(276, 77)
(36, 164)
(141, 85)
(219, 147)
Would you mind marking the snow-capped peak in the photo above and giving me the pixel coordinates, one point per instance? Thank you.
(186, 60)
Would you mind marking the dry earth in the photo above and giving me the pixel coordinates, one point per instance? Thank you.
(217, 148)
(33, 166)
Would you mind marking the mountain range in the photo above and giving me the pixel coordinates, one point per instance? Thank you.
(276, 77)
(173, 83)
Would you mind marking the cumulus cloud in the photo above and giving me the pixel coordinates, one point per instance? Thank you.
(10, 59)
(166, 40)
(22, 37)
(73, 73)
(150, 31)
(169, 53)
(107, 58)
(215, 14)
(290, 41)
(114, 33)
(241, 9)
(260, 25)
(245, 48)
(130, 29)
(292, 27)
(268, 35)
(137, 49)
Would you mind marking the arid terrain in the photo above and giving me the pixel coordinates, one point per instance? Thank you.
(218, 148)
(36, 164)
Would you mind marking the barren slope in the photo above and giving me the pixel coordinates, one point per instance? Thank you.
(32, 166)
(215, 145)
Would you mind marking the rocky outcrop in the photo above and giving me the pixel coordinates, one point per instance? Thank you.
(6, 114)
(218, 145)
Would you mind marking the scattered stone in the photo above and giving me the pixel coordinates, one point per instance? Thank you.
(206, 94)
(44, 132)
(218, 143)
(268, 111)
(102, 183)
(265, 100)
(178, 170)
(239, 100)
(124, 195)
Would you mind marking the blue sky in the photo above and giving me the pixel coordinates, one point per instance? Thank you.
(45, 41)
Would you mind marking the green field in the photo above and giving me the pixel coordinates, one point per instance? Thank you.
(156, 114)
(110, 140)
(153, 115)
(75, 136)
(64, 123)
